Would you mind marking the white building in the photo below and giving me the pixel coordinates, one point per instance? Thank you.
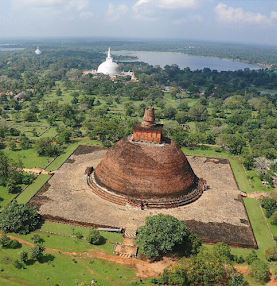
(111, 68)
(38, 51)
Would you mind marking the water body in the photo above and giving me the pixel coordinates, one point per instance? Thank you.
(11, 49)
(183, 60)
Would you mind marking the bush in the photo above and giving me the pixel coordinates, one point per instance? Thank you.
(27, 179)
(94, 237)
(271, 254)
(273, 218)
(163, 234)
(37, 253)
(251, 257)
(17, 264)
(237, 279)
(270, 206)
(24, 257)
(176, 277)
(223, 251)
(259, 270)
(19, 218)
(6, 242)
(48, 147)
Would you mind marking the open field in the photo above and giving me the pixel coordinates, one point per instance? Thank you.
(63, 270)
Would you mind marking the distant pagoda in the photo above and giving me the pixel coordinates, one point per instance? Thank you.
(146, 170)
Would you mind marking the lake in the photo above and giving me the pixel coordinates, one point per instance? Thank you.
(183, 60)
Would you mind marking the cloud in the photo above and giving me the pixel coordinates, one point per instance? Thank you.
(79, 5)
(274, 15)
(188, 19)
(149, 9)
(115, 12)
(168, 4)
(230, 15)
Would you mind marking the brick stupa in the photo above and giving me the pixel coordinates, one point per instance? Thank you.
(146, 170)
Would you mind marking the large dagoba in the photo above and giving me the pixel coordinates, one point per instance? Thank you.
(146, 170)
(109, 67)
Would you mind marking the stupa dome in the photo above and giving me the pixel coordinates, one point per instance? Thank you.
(109, 67)
(155, 173)
(38, 51)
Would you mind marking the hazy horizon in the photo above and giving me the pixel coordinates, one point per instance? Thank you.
(226, 21)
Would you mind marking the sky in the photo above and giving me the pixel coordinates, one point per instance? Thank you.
(246, 21)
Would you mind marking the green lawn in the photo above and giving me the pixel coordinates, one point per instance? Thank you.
(5, 197)
(63, 237)
(31, 190)
(260, 225)
(29, 158)
(63, 271)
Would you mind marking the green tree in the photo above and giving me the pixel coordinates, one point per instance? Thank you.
(163, 234)
(95, 237)
(176, 277)
(59, 92)
(19, 218)
(24, 257)
(208, 269)
(260, 271)
(48, 147)
(198, 112)
(4, 168)
(37, 252)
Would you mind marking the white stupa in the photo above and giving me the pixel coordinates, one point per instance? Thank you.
(38, 51)
(109, 67)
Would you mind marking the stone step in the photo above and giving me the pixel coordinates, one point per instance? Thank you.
(130, 233)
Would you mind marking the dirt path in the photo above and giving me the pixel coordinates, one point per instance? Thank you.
(257, 195)
(144, 269)
(37, 171)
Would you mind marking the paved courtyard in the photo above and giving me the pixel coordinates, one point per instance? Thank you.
(218, 215)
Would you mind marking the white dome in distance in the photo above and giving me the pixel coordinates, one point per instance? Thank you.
(109, 67)
(38, 51)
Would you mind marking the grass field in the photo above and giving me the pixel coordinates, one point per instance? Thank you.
(29, 158)
(63, 271)
(63, 237)
(31, 190)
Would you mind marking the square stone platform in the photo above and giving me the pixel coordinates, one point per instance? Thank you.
(218, 215)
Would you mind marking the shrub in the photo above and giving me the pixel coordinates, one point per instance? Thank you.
(271, 254)
(37, 239)
(24, 257)
(176, 277)
(223, 251)
(27, 179)
(251, 257)
(19, 218)
(237, 279)
(17, 264)
(270, 206)
(37, 253)
(94, 237)
(6, 242)
(259, 270)
(273, 218)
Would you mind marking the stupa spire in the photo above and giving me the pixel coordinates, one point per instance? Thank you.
(109, 53)
(149, 117)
